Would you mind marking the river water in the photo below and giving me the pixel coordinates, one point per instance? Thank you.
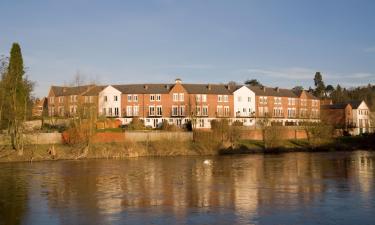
(291, 188)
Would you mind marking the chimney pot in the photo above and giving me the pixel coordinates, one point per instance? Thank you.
(178, 81)
(209, 86)
(146, 87)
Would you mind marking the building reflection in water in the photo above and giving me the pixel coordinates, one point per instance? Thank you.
(244, 187)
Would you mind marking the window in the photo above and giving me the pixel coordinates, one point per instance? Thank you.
(135, 110)
(135, 98)
(239, 98)
(129, 98)
(51, 100)
(104, 111)
(129, 111)
(151, 110)
(116, 111)
(159, 110)
(201, 122)
(158, 97)
(263, 111)
(249, 99)
(175, 97)
(198, 110)
(105, 98)
(73, 98)
(61, 99)
(110, 111)
(291, 101)
(278, 112)
(219, 98)
(303, 102)
(174, 110)
(86, 99)
(181, 97)
(303, 112)
(198, 98)
(152, 98)
(291, 112)
(115, 98)
(204, 98)
(263, 100)
(219, 110)
(205, 110)
(225, 98)
(182, 110)
(277, 101)
(91, 99)
(226, 110)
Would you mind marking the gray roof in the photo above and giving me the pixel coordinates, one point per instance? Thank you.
(277, 92)
(66, 91)
(144, 88)
(335, 106)
(220, 89)
(354, 104)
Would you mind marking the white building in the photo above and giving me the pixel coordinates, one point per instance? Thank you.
(244, 105)
(361, 117)
(110, 102)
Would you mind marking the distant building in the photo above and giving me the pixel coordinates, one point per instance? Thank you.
(39, 107)
(353, 116)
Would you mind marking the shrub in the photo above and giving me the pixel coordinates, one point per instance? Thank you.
(136, 124)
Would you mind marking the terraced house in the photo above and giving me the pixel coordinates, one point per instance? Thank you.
(65, 101)
(178, 103)
(285, 106)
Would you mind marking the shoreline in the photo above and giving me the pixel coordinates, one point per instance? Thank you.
(33, 153)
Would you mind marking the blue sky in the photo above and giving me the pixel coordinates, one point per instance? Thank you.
(280, 43)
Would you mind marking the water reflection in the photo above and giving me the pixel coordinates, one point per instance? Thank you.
(246, 189)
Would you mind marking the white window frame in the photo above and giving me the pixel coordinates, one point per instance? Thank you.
(181, 97)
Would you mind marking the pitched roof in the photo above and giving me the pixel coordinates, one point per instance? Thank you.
(65, 91)
(94, 91)
(335, 106)
(354, 104)
(208, 89)
(277, 92)
(144, 88)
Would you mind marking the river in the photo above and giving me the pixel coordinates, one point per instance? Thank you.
(290, 188)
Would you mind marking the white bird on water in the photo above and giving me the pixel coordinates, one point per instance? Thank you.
(207, 162)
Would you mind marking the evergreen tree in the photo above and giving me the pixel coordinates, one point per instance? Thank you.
(319, 85)
(17, 98)
(253, 82)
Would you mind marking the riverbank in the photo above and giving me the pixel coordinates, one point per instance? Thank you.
(352, 143)
(168, 147)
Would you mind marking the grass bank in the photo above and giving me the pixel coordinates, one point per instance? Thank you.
(204, 144)
(366, 142)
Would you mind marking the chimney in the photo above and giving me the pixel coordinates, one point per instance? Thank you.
(146, 87)
(167, 86)
(178, 81)
(64, 89)
(277, 89)
(228, 87)
(209, 86)
(264, 89)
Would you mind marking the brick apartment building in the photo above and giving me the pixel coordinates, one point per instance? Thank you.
(285, 106)
(179, 103)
